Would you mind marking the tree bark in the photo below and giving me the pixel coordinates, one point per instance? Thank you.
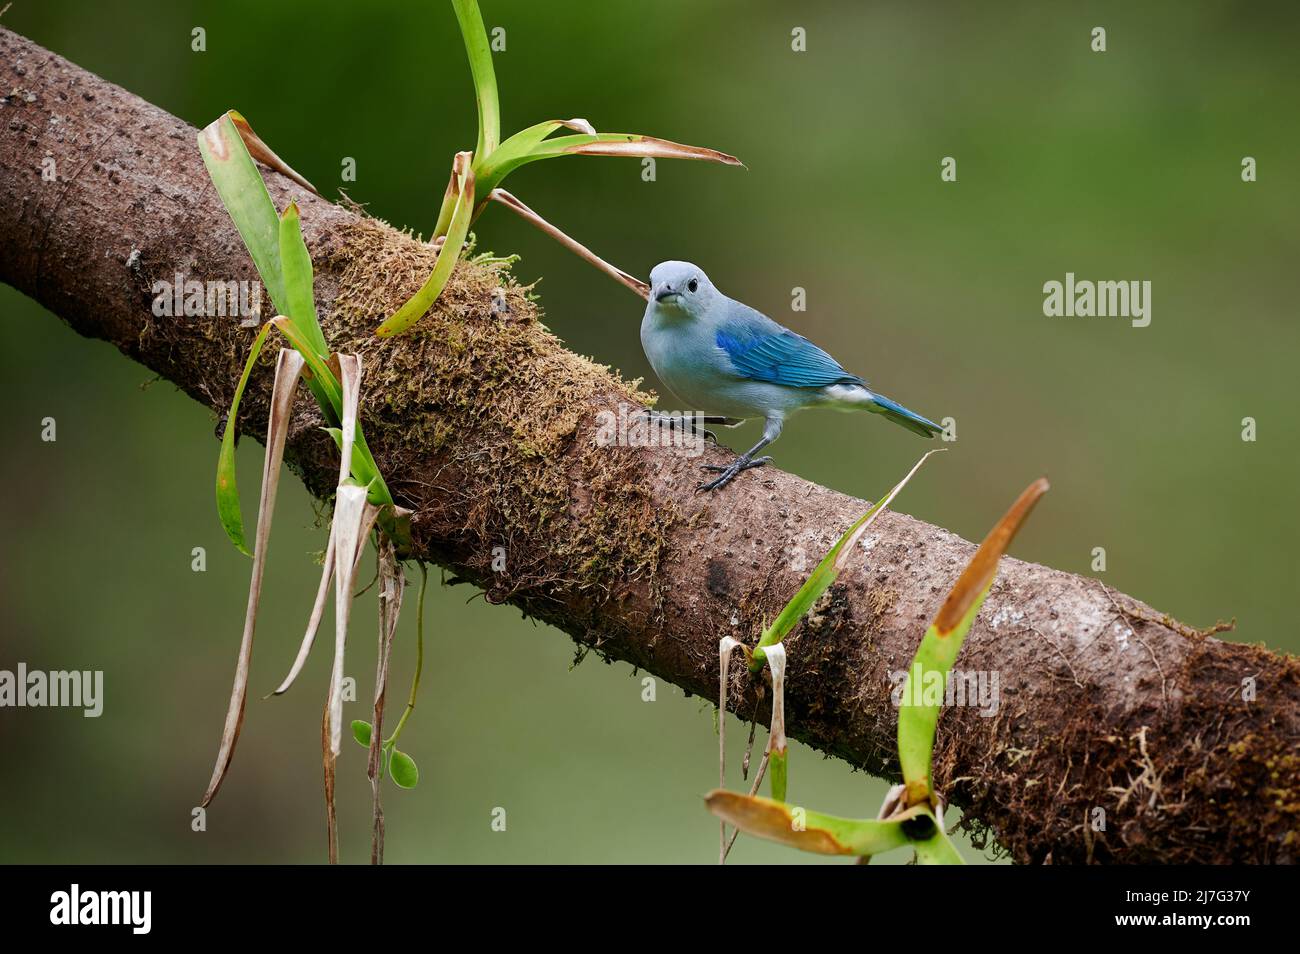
(1121, 735)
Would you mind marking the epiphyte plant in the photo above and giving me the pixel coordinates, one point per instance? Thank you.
(363, 503)
(476, 176)
(912, 813)
(362, 499)
(770, 650)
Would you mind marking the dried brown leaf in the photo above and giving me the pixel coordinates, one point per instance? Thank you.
(288, 368)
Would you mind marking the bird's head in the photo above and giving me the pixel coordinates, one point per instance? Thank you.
(681, 287)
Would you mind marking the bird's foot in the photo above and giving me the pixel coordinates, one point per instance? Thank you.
(727, 473)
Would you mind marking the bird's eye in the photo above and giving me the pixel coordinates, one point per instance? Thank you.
(693, 285)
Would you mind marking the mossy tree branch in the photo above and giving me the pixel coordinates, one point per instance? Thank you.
(483, 424)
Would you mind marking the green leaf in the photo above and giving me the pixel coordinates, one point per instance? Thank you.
(514, 152)
(526, 140)
(243, 193)
(825, 574)
(229, 146)
(413, 310)
(485, 78)
(779, 770)
(361, 732)
(526, 146)
(295, 263)
(808, 830)
(917, 718)
(300, 300)
(275, 244)
(227, 488)
(402, 768)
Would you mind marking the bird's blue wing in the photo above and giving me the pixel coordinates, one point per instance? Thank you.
(779, 356)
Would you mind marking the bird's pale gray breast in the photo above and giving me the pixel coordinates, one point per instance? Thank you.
(686, 358)
(683, 354)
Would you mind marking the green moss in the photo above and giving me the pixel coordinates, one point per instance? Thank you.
(483, 399)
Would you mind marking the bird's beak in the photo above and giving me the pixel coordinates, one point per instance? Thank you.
(666, 292)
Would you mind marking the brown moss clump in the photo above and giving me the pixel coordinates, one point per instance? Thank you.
(1206, 785)
(497, 416)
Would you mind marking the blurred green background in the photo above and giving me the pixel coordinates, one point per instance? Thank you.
(1122, 165)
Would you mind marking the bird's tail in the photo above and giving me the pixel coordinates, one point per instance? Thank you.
(900, 415)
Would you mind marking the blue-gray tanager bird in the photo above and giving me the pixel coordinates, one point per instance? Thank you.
(723, 357)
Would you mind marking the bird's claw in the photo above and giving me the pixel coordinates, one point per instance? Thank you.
(738, 465)
(729, 472)
(722, 481)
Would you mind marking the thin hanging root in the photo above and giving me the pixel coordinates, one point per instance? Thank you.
(392, 586)
(613, 271)
(419, 657)
(726, 646)
(775, 751)
(753, 790)
(288, 367)
(331, 816)
(749, 745)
